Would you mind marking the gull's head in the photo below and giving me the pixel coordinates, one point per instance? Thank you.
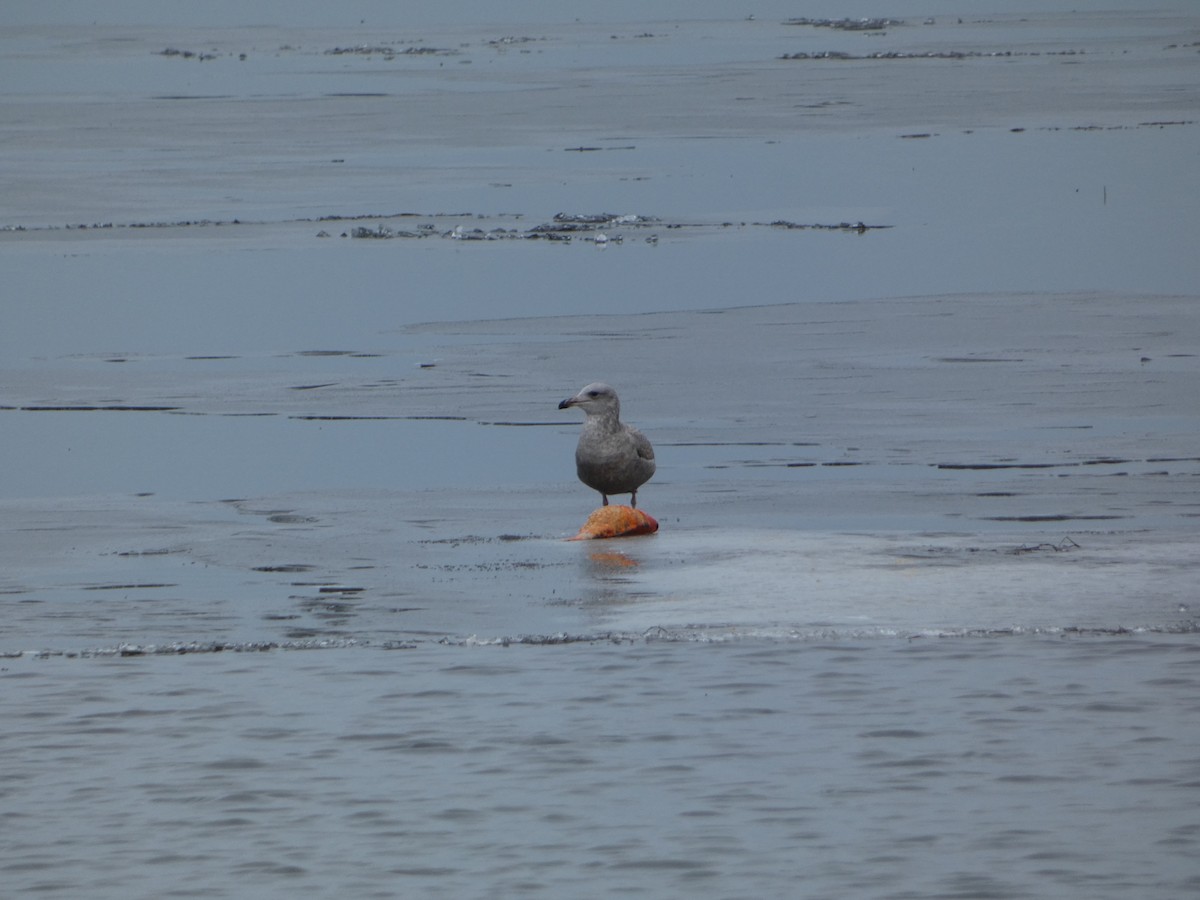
(595, 399)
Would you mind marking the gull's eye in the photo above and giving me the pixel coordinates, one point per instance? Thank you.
(593, 393)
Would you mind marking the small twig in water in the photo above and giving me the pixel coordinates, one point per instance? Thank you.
(1065, 544)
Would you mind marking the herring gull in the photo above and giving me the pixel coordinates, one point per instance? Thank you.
(612, 458)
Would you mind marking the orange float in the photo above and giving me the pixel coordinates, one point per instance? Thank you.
(615, 521)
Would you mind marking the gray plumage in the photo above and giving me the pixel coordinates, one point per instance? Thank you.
(612, 458)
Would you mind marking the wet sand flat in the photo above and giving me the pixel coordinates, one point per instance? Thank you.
(1028, 438)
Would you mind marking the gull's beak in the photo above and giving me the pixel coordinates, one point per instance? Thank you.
(568, 403)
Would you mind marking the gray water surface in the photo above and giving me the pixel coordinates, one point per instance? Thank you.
(1005, 767)
(286, 605)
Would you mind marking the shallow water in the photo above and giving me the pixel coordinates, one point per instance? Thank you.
(1003, 767)
(285, 605)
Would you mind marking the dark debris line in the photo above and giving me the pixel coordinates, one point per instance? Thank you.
(563, 227)
(928, 54)
(566, 226)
